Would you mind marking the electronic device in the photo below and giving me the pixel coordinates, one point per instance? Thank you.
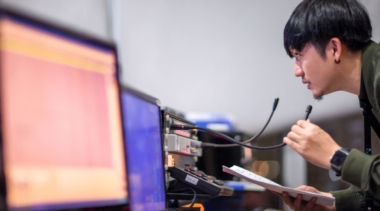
(144, 150)
(182, 150)
(202, 182)
(170, 117)
(337, 160)
(61, 132)
(182, 147)
(179, 141)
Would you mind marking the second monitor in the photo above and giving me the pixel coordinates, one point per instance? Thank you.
(144, 152)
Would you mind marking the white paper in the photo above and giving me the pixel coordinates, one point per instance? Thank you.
(270, 185)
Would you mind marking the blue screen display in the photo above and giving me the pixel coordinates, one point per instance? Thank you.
(146, 179)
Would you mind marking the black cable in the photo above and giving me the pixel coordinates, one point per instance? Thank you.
(220, 135)
(236, 143)
(275, 103)
(194, 197)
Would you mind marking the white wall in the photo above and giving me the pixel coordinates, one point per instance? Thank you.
(210, 56)
(86, 16)
(222, 56)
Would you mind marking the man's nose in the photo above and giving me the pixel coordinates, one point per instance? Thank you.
(298, 70)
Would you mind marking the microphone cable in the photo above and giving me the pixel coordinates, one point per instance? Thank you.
(236, 143)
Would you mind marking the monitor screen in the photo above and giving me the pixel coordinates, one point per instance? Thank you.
(61, 132)
(144, 151)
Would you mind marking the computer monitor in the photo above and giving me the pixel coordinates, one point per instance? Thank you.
(61, 132)
(144, 151)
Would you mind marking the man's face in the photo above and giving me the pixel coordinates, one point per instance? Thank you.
(314, 70)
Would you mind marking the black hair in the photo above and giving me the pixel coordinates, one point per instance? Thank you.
(317, 21)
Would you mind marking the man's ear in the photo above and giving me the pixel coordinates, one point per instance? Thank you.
(335, 47)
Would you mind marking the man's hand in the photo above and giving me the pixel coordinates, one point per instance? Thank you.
(298, 205)
(312, 143)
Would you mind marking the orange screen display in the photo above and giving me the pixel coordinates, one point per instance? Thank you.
(61, 126)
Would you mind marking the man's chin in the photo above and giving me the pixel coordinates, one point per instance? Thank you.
(318, 98)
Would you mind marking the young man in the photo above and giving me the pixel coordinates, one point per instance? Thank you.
(331, 43)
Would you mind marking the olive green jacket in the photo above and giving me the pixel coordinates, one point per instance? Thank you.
(359, 169)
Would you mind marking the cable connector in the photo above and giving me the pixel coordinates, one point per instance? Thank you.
(181, 127)
(208, 145)
(275, 103)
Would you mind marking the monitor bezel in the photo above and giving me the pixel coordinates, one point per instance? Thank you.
(157, 102)
(85, 38)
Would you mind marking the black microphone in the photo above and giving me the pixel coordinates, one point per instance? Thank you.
(308, 111)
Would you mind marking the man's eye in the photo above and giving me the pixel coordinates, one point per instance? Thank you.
(297, 56)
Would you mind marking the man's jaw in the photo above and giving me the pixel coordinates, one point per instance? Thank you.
(318, 96)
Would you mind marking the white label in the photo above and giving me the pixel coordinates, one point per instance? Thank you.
(191, 179)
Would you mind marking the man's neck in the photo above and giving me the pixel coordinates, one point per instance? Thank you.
(351, 66)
